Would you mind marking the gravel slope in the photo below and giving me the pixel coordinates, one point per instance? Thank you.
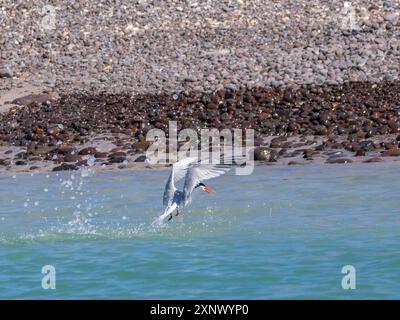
(173, 46)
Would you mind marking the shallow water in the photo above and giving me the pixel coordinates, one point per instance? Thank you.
(283, 232)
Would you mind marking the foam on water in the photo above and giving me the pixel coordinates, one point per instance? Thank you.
(82, 212)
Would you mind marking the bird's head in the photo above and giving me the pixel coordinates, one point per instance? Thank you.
(203, 187)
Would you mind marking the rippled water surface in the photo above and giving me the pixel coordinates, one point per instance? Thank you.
(283, 232)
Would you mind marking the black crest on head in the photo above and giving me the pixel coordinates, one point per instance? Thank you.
(201, 184)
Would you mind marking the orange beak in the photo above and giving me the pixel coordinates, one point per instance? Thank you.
(209, 190)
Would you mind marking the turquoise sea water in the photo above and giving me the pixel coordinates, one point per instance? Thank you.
(283, 232)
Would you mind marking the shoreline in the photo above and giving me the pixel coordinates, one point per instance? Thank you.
(349, 123)
(140, 167)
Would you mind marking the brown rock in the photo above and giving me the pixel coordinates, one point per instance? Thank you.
(395, 152)
(88, 151)
(140, 146)
(310, 152)
(375, 159)
(65, 148)
(117, 160)
(277, 142)
(117, 154)
(43, 150)
(72, 158)
(360, 153)
(4, 162)
(265, 154)
(339, 160)
(141, 158)
(38, 98)
(101, 155)
(20, 163)
(293, 163)
(66, 167)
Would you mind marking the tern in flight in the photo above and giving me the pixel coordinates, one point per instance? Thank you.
(195, 173)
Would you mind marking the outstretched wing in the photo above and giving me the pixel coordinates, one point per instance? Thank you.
(178, 171)
(181, 167)
(199, 173)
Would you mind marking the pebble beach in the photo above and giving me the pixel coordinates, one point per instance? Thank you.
(87, 87)
(318, 82)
